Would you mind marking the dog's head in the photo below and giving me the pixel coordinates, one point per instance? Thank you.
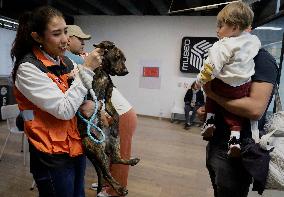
(114, 59)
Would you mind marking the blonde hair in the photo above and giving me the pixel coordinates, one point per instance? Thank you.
(236, 13)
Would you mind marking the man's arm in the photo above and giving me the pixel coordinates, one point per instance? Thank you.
(188, 96)
(251, 107)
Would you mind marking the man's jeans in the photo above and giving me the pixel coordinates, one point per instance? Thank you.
(67, 181)
(228, 176)
(189, 118)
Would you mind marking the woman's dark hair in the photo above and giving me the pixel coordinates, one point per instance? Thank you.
(29, 22)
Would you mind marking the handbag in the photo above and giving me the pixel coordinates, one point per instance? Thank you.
(274, 141)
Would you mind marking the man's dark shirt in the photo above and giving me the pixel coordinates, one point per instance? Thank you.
(265, 71)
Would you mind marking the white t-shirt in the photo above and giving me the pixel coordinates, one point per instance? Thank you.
(119, 102)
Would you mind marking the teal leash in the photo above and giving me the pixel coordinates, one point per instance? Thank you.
(90, 122)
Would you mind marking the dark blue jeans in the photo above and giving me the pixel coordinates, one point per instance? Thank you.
(66, 181)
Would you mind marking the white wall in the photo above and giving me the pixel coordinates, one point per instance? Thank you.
(150, 38)
(6, 39)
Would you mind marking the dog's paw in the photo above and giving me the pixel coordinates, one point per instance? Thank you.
(122, 191)
(134, 161)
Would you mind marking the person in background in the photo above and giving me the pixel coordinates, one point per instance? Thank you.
(76, 43)
(193, 99)
(48, 104)
(127, 115)
(230, 66)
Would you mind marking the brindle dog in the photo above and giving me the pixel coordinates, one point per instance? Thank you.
(101, 154)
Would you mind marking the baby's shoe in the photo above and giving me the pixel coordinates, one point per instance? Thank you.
(234, 147)
(208, 128)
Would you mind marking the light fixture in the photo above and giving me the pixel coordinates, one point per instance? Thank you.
(8, 23)
(269, 28)
(207, 7)
(201, 8)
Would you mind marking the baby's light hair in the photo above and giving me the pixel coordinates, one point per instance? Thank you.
(236, 13)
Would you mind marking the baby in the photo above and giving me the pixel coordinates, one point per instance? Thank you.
(230, 63)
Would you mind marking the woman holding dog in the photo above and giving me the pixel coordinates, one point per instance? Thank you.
(48, 104)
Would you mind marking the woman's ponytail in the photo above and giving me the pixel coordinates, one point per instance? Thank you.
(23, 42)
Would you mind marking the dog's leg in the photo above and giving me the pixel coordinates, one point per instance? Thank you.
(99, 173)
(116, 157)
(96, 154)
(114, 138)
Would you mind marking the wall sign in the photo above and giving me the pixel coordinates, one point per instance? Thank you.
(193, 52)
(150, 71)
(151, 74)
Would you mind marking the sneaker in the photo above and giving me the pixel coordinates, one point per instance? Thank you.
(103, 194)
(208, 128)
(94, 186)
(187, 125)
(234, 147)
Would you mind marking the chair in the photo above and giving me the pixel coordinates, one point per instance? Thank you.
(10, 113)
(177, 112)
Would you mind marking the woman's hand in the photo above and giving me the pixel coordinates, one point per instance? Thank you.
(201, 113)
(73, 73)
(94, 59)
(87, 108)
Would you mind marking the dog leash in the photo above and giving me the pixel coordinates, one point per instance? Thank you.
(90, 122)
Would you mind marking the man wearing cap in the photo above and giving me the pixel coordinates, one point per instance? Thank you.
(76, 43)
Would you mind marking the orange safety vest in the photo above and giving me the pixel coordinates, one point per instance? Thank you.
(47, 133)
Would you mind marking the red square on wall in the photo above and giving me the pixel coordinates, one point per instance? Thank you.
(150, 71)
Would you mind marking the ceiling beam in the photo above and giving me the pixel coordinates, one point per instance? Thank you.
(250, 1)
(160, 6)
(193, 3)
(130, 7)
(102, 7)
(71, 7)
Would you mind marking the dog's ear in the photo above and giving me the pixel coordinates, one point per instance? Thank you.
(119, 54)
(105, 45)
